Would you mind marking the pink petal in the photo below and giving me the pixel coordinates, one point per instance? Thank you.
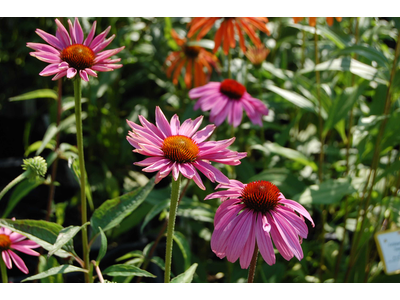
(59, 75)
(149, 161)
(43, 48)
(211, 172)
(297, 207)
(90, 36)
(203, 134)
(84, 75)
(46, 57)
(91, 72)
(6, 259)
(98, 39)
(18, 262)
(16, 237)
(175, 124)
(103, 44)
(159, 165)
(197, 179)
(201, 90)
(189, 127)
(162, 123)
(62, 34)
(78, 31)
(51, 39)
(248, 249)
(264, 240)
(106, 54)
(71, 72)
(25, 250)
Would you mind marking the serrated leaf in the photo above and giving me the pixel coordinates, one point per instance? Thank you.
(113, 211)
(63, 269)
(66, 235)
(187, 276)
(154, 212)
(328, 192)
(103, 246)
(42, 232)
(181, 241)
(286, 152)
(127, 270)
(20, 191)
(43, 93)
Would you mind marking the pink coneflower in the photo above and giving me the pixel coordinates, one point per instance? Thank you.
(181, 148)
(226, 100)
(10, 241)
(69, 54)
(252, 213)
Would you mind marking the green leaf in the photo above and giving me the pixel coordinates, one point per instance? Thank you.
(44, 93)
(180, 239)
(292, 97)
(292, 154)
(155, 211)
(52, 130)
(77, 173)
(63, 269)
(42, 232)
(367, 52)
(36, 145)
(185, 277)
(66, 235)
(46, 264)
(341, 106)
(113, 211)
(328, 192)
(127, 270)
(21, 190)
(103, 246)
(346, 64)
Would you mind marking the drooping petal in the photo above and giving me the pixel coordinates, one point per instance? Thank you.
(18, 262)
(264, 240)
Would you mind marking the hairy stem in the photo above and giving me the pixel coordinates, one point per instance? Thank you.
(253, 264)
(79, 137)
(13, 183)
(171, 225)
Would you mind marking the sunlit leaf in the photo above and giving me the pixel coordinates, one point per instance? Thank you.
(187, 276)
(66, 235)
(181, 241)
(292, 97)
(63, 269)
(113, 211)
(126, 270)
(44, 93)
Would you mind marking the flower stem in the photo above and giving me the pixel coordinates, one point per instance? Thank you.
(374, 166)
(171, 224)
(98, 271)
(4, 276)
(79, 137)
(229, 64)
(14, 182)
(253, 264)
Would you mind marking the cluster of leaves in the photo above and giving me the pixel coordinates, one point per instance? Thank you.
(128, 211)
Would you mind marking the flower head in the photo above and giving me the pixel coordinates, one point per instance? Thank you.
(226, 100)
(180, 148)
(10, 241)
(226, 32)
(256, 213)
(194, 59)
(257, 55)
(69, 54)
(36, 166)
(312, 21)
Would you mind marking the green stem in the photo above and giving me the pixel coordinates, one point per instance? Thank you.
(14, 182)
(229, 64)
(79, 137)
(320, 125)
(374, 165)
(303, 49)
(171, 224)
(4, 276)
(253, 264)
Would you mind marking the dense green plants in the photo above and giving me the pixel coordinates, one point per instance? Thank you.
(329, 142)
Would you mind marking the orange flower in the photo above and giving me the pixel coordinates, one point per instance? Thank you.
(257, 55)
(226, 32)
(194, 59)
(313, 20)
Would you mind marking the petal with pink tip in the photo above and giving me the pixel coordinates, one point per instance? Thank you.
(18, 262)
(71, 72)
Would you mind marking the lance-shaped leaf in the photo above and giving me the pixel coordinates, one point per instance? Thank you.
(292, 154)
(154, 212)
(180, 239)
(42, 232)
(328, 192)
(63, 269)
(113, 211)
(292, 97)
(187, 276)
(43, 93)
(66, 235)
(126, 270)
(367, 52)
(103, 246)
